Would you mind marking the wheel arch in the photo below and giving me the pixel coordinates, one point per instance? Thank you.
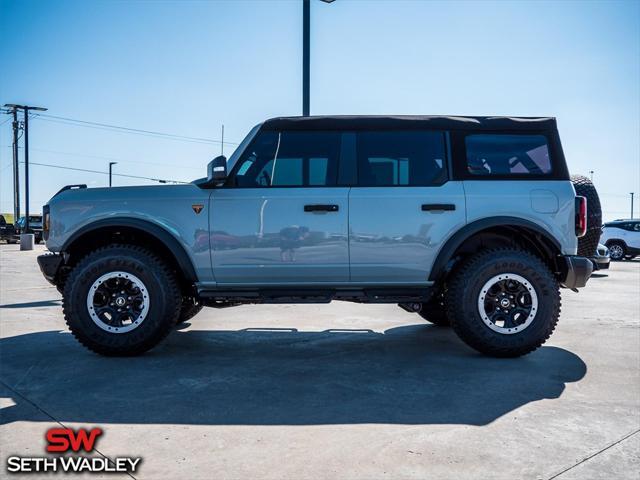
(614, 240)
(500, 230)
(135, 231)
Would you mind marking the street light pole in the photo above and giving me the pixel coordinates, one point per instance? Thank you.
(111, 164)
(306, 62)
(632, 194)
(26, 170)
(306, 20)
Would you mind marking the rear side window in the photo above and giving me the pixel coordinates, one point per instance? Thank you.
(502, 154)
(401, 158)
(290, 159)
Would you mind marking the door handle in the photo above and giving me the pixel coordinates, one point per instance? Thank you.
(430, 207)
(321, 208)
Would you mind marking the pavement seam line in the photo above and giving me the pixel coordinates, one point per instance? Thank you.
(44, 412)
(595, 454)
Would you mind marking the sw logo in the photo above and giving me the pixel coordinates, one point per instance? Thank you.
(197, 208)
(65, 440)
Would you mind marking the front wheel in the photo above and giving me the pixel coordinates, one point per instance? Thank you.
(121, 300)
(503, 302)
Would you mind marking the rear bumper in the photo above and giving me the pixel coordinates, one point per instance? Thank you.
(50, 265)
(576, 272)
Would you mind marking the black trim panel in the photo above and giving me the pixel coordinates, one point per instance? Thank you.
(178, 252)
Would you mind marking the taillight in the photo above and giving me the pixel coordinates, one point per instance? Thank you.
(45, 222)
(581, 216)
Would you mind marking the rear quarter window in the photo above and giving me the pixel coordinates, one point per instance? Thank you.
(490, 155)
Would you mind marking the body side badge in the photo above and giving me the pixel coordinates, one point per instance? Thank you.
(197, 208)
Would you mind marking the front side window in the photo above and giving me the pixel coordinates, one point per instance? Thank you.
(401, 158)
(502, 154)
(290, 159)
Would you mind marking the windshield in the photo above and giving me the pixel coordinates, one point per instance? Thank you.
(238, 151)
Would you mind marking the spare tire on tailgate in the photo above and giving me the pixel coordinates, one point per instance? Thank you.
(588, 244)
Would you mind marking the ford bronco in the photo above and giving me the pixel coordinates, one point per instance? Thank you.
(471, 222)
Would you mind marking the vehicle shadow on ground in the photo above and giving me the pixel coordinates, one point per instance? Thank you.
(41, 303)
(417, 374)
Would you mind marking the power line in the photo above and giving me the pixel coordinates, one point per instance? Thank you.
(105, 173)
(136, 131)
(101, 157)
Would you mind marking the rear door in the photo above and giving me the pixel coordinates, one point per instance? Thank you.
(282, 220)
(403, 208)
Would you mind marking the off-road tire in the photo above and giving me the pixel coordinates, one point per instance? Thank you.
(188, 310)
(618, 254)
(588, 244)
(434, 311)
(165, 300)
(465, 284)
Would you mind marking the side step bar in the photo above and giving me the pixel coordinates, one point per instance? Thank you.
(223, 298)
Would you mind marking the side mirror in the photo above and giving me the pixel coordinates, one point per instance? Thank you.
(217, 170)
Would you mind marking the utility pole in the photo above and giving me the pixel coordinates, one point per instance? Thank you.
(591, 174)
(222, 141)
(16, 168)
(111, 164)
(25, 109)
(632, 194)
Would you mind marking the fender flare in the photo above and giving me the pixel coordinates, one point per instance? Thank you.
(150, 228)
(457, 239)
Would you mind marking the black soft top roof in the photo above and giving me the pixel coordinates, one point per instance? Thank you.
(396, 122)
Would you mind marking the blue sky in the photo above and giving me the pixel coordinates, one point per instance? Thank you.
(186, 68)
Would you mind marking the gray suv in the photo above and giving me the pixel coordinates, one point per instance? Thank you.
(471, 222)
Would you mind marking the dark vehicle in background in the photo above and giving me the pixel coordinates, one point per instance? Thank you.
(35, 227)
(7, 231)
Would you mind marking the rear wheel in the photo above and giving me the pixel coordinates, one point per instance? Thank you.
(121, 300)
(617, 250)
(503, 302)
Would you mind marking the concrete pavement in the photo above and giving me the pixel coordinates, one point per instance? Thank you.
(331, 391)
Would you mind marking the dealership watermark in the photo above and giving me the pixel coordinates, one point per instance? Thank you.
(69, 441)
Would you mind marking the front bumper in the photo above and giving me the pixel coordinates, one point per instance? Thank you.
(576, 272)
(50, 266)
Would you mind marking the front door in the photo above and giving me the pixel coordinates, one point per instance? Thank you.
(403, 209)
(281, 220)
